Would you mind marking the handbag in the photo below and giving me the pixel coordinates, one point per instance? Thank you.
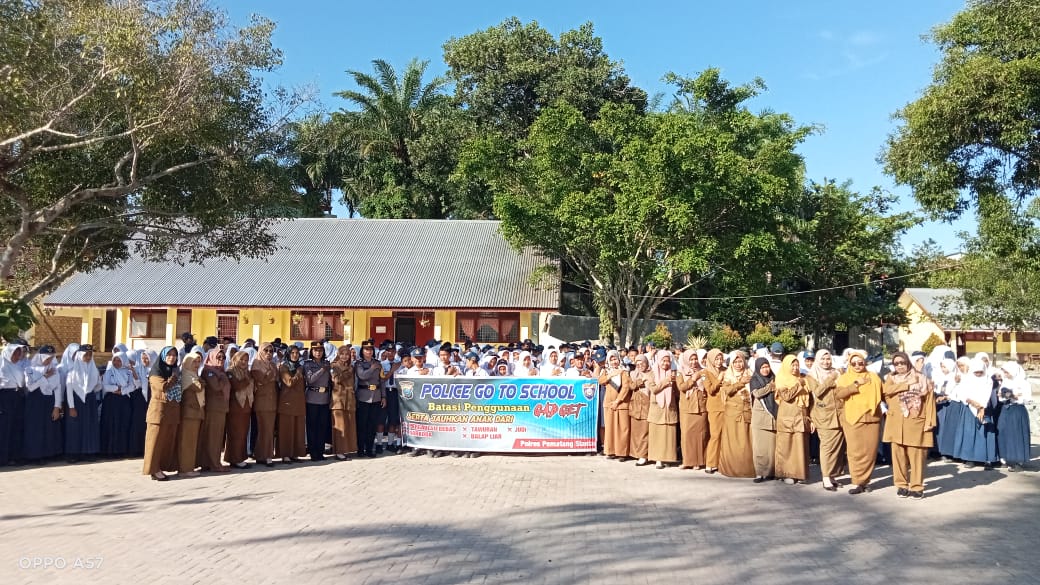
(174, 393)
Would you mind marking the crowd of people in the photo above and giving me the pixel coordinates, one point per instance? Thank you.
(754, 413)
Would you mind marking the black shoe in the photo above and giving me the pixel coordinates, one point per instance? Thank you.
(903, 493)
(710, 471)
(831, 488)
(415, 452)
(457, 454)
(393, 448)
(759, 479)
(379, 449)
(269, 464)
(436, 454)
(473, 455)
(859, 489)
(917, 495)
(969, 465)
(611, 456)
(317, 458)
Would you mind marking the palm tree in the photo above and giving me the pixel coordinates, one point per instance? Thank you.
(392, 108)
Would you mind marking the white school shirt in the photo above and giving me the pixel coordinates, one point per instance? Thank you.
(37, 380)
(477, 373)
(441, 370)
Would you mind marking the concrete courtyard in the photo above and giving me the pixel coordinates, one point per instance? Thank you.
(508, 519)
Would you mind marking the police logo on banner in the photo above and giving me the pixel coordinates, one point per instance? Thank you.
(405, 386)
(589, 390)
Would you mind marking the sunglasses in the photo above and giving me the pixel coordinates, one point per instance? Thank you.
(858, 363)
(899, 363)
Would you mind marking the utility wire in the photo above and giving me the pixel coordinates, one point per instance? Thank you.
(800, 292)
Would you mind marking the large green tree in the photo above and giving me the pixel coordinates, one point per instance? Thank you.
(999, 273)
(132, 127)
(843, 237)
(972, 142)
(973, 137)
(403, 126)
(507, 74)
(641, 207)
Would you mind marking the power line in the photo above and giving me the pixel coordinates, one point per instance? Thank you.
(800, 292)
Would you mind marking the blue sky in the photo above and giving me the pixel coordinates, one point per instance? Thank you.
(846, 66)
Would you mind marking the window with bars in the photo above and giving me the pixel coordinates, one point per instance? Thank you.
(227, 325)
(315, 325)
(488, 327)
(148, 324)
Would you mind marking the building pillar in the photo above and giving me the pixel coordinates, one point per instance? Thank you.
(87, 327)
(122, 326)
(1014, 345)
(171, 322)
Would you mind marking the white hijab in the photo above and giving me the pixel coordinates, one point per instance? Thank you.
(518, 368)
(12, 372)
(83, 377)
(118, 376)
(550, 364)
(1016, 381)
(978, 389)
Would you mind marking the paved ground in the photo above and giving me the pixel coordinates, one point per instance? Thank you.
(498, 519)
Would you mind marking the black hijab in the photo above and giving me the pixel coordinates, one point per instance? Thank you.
(760, 381)
(757, 379)
(162, 369)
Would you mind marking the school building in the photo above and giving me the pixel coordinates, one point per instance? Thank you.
(346, 280)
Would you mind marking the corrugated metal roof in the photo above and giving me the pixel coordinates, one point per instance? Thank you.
(932, 299)
(338, 263)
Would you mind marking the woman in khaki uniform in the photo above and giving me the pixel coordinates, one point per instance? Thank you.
(218, 396)
(663, 415)
(292, 408)
(908, 425)
(861, 391)
(735, 456)
(240, 410)
(792, 422)
(763, 420)
(343, 405)
(265, 403)
(641, 380)
(617, 433)
(716, 408)
(693, 411)
(193, 404)
(163, 417)
(826, 416)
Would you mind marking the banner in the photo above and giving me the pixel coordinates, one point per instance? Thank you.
(528, 415)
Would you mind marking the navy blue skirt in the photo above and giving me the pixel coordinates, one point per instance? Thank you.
(949, 427)
(115, 425)
(41, 436)
(1013, 434)
(83, 432)
(138, 413)
(977, 441)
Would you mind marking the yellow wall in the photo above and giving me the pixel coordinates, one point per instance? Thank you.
(203, 323)
(1003, 347)
(267, 324)
(446, 321)
(913, 335)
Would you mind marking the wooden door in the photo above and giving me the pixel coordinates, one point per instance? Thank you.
(381, 329)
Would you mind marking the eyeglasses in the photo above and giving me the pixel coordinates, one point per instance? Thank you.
(899, 363)
(857, 363)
